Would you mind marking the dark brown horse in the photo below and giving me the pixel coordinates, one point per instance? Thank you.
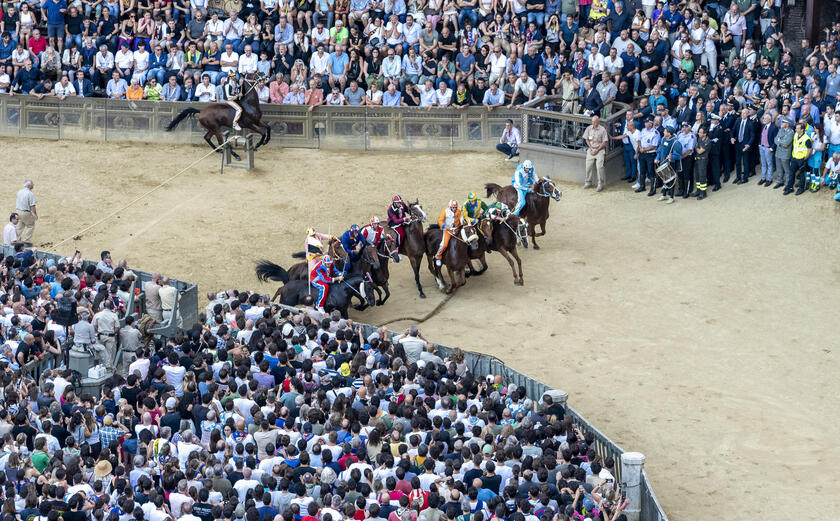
(455, 257)
(414, 243)
(536, 208)
(502, 237)
(479, 254)
(374, 261)
(218, 115)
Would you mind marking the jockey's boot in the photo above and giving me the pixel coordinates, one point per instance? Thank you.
(438, 262)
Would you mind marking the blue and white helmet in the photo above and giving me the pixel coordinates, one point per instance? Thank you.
(528, 165)
(354, 229)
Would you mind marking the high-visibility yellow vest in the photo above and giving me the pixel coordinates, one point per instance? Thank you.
(800, 148)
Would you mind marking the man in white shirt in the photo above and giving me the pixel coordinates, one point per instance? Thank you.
(248, 61)
(498, 63)
(319, 62)
(179, 498)
(175, 374)
(64, 88)
(443, 95)
(185, 447)
(10, 235)
(613, 63)
(233, 28)
(124, 61)
(103, 63)
(428, 95)
(205, 91)
(229, 60)
(245, 484)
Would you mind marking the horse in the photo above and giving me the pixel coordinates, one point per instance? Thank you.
(502, 237)
(414, 243)
(340, 295)
(536, 208)
(455, 257)
(374, 261)
(214, 117)
(479, 254)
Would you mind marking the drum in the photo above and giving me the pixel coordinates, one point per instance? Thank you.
(666, 173)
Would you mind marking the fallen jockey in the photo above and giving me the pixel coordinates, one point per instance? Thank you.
(398, 217)
(523, 182)
(321, 276)
(353, 243)
(474, 209)
(315, 247)
(449, 219)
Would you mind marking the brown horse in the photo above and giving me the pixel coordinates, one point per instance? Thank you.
(536, 208)
(414, 243)
(300, 270)
(218, 115)
(502, 237)
(455, 257)
(374, 261)
(479, 254)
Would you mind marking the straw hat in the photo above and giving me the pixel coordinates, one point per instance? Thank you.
(102, 469)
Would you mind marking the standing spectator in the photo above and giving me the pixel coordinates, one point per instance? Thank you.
(153, 304)
(10, 236)
(27, 212)
(742, 139)
(53, 11)
(767, 148)
(596, 139)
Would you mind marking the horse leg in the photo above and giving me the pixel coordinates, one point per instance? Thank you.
(387, 294)
(519, 263)
(542, 227)
(207, 137)
(483, 266)
(453, 280)
(277, 293)
(435, 273)
(415, 265)
(506, 254)
(532, 230)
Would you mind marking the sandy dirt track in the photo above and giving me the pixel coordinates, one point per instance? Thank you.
(702, 334)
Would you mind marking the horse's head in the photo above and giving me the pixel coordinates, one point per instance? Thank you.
(337, 251)
(389, 246)
(469, 235)
(486, 227)
(548, 189)
(370, 256)
(416, 211)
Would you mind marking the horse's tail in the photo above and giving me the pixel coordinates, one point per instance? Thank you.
(269, 271)
(186, 113)
(299, 255)
(492, 188)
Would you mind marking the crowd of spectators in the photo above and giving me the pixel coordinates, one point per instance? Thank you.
(258, 414)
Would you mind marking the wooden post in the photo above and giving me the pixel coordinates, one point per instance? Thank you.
(812, 26)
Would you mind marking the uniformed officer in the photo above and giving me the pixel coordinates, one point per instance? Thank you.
(106, 323)
(130, 340)
(716, 144)
(701, 162)
(648, 141)
(27, 212)
(784, 147)
(801, 151)
(688, 140)
(669, 151)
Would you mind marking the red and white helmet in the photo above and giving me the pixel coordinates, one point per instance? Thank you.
(374, 221)
(397, 199)
(327, 260)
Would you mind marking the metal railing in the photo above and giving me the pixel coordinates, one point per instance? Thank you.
(483, 364)
(545, 124)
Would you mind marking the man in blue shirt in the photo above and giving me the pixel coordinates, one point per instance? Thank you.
(533, 62)
(116, 86)
(27, 78)
(337, 64)
(391, 97)
(53, 11)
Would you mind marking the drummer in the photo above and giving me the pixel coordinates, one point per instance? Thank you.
(669, 151)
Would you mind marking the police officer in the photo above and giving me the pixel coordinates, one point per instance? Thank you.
(716, 144)
(701, 162)
(106, 323)
(669, 151)
(801, 152)
(648, 141)
(688, 140)
(130, 340)
(784, 147)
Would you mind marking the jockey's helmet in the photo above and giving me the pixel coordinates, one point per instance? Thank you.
(528, 165)
(397, 199)
(310, 231)
(453, 204)
(374, 221)
(354, 229)
(472, 197)
(327, 260)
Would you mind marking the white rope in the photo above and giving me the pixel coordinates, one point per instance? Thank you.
(139, 197)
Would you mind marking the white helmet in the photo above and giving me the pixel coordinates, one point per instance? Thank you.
(528, 165)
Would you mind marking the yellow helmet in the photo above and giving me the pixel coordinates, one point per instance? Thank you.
(472, 197)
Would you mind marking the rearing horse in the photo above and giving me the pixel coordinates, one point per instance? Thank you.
(536, 208)
(218, 115)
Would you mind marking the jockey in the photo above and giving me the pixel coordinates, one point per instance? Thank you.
(398, 216)
(523, 181)
(314, 246)
(498, 211)
(232, 93)
(352, 241)
(321, 277)
(448, 220)
(372, 233)
(473, 209)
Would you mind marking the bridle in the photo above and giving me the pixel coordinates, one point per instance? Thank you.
(333, 253)
(363, 294)
(385, 244)
(555, 194)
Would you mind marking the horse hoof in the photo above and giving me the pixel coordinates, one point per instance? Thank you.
(518, 283)
(422, 295)
(536, 247)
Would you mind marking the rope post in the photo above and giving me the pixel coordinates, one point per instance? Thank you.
(632, 464)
